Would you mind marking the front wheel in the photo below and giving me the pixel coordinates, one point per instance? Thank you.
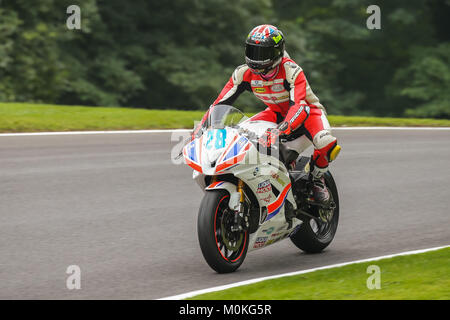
(314, 235)
(223, 249)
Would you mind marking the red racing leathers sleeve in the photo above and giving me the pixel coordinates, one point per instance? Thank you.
(197, 128)
(230, 92)
(237, 84)
(299, 110)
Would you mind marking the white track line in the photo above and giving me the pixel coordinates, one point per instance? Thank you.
(188, 130)
(246, 282)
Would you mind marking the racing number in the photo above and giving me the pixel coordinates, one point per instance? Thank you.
(221, 135)
(219, 141)
(209, 139)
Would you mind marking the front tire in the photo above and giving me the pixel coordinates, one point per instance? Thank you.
(223, 250)
(312, 236)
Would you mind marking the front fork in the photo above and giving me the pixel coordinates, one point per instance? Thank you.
(239, 207)
(241, 220)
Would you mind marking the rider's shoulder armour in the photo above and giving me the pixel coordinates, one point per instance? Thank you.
(292, 70)
(238, 74)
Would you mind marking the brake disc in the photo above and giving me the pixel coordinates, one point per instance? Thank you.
(231, 244)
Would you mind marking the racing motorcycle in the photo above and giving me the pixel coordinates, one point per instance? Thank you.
(251, 199)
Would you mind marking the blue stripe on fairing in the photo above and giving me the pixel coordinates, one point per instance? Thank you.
(275, 212)
(192, 153)
(234, 151)
(217, 185)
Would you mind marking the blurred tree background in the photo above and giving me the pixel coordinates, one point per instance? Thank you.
(178, 54)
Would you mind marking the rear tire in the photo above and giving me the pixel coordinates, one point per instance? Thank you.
(211, 224)
(307, 238)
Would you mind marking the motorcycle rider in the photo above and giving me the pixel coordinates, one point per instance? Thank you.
(293, 110)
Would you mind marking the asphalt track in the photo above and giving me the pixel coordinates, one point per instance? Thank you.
(116, 206)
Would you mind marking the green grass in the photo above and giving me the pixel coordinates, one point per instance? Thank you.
(24, 117)
(27, 117)
(418, 276)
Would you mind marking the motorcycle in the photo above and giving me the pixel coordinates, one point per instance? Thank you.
(251, 200)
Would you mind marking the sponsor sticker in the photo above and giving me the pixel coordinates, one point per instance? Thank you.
(260, 242)
(277, 88)
(296, 115)
(261, 83)
(277, 38)
(268, 231)
(296, 68)
(297, 71)
(280, 99)
(324, 134)
(277, 237)
(257, 83)
(260, 90)
(264, 187)
(276, 176)
(291, 64)
(271, 98)
(276, 234)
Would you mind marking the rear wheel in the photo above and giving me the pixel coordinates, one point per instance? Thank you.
(315, 234)
(223, 249)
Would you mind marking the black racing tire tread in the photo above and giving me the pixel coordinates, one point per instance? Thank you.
(206, 234)
(305, 239)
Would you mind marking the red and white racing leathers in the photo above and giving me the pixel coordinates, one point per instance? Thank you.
(287, 96)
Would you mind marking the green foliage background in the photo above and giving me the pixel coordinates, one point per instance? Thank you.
(178, 54)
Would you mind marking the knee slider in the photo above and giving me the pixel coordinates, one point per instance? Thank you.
(334, 152)
(327, 145)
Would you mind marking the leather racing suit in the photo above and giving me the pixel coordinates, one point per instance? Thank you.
(289, 99)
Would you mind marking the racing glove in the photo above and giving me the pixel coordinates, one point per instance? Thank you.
(294, 120)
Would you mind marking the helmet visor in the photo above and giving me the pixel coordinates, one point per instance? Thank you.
(260, 55)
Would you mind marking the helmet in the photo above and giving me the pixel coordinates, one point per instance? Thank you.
(264, 48)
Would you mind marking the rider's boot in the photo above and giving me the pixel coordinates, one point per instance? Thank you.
(319, 188)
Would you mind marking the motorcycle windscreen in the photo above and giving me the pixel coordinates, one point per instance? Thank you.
(221, 116)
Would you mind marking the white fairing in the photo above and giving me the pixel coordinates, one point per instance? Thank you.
(228, 151)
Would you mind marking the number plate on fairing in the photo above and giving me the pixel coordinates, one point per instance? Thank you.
(216, 139)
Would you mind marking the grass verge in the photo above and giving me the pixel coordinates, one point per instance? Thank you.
(419, 276)
(27, 117)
